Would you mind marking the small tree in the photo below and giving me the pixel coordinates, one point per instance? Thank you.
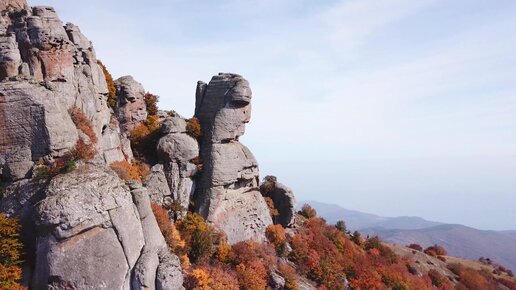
(193, 128)
(10, 253)
(356, 238)
(151, 102)
(341, 226)
(307, 211)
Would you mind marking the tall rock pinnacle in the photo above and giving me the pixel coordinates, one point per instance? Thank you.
(227, 193)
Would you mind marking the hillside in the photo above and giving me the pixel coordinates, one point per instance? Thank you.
(101, 189)
(460, 241)
(356, 220)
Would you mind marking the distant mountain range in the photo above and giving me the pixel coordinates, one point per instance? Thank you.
(458, 240)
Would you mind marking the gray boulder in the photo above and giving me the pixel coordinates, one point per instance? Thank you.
(176, 149)
(227, 192)
(131, 104)
(82, 210)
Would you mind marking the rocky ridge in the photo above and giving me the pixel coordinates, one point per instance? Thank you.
(47, 69)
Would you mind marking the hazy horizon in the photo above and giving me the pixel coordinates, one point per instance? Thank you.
(396, 108)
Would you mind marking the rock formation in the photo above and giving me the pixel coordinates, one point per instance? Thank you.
(227, 192)
(283, 199)
(177, 149)
(45, 69)
(87, 228)
(131, 104)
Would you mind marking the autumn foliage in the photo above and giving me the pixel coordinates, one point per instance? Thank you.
(435, 250)
(10, 253)
(82, 123)
(151, 102)
(193, 128)
(144, 138)
(111, 101)
(307, 211)
(130, 171)
(168, 229)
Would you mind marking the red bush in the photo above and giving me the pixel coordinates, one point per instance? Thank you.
(276, 235)
(252, 275)
(82, 123)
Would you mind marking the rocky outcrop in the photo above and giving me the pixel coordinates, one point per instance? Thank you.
(82, 210)
(131, 108)
(12, 5)
(88, 223)
(227, 192)
(283, 199)
(177, 149)
(45, 69)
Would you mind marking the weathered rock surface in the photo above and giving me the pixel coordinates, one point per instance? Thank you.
(131, 104)
(176, 149)
(285, 202)
(82, 210)
(88, 223)
(14, 5)
(156, 265)
(46, 68)
(227, 192)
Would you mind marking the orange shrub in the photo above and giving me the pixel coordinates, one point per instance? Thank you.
(126, 170)
(223, 278)
(199, 279)
(193, 128)
(82, 151)
(276, 235)
(272, 209)
(290, 277)
(171, 235)
(151, 102)
(111, 101)
(252, 275)
(247, 251)
(223, 252)
(144, 139)
(82, 123)
(10, 253)
(307, 211)
(198, 236)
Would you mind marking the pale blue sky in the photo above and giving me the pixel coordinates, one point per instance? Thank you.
(394, 107)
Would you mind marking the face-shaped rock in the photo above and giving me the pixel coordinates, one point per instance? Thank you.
(224, 107)
(227, 192)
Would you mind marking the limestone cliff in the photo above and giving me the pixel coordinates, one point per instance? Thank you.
(78, 222)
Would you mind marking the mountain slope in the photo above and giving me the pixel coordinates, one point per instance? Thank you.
(356, 220)
(459, 240)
